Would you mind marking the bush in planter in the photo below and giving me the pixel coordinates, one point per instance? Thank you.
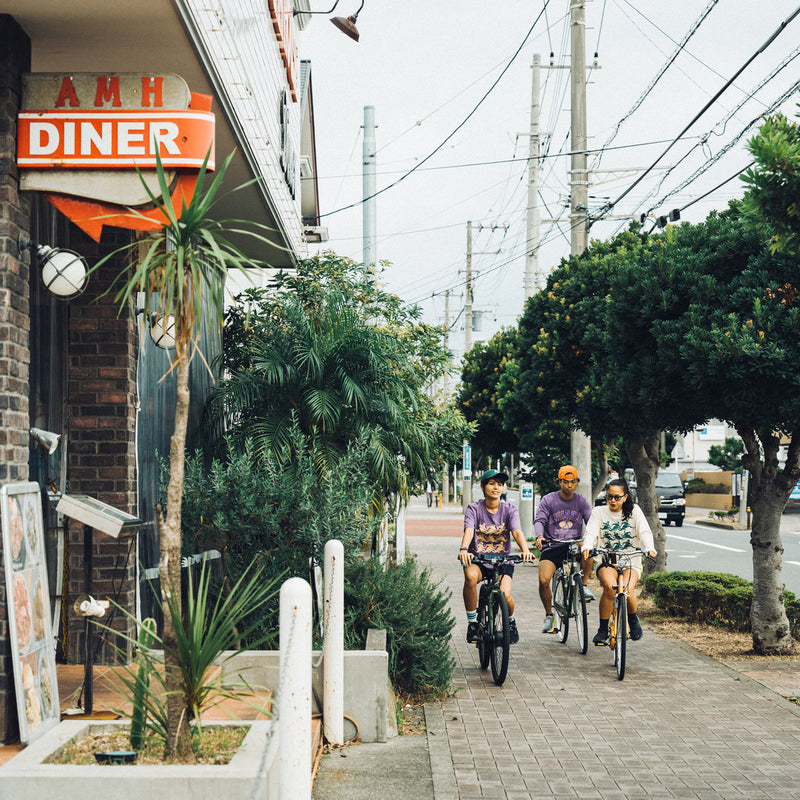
(276, 513)
(414, 611)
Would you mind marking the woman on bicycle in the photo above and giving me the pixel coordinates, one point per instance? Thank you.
(620, 525)
(489, 526)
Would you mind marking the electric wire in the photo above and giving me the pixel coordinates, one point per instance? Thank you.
(660, 74)
(604, 211)
(454, 131)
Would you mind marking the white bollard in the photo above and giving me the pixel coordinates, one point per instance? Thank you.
(400, 535)
(294, 692)
(333, 647)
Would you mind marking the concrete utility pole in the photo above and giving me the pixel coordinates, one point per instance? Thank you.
(446, 473)
(580, 444)
(531, 281)
(369, 164)
(466, 487)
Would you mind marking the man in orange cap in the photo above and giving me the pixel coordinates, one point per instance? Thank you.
(559, 521)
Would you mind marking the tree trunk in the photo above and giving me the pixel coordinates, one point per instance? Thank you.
(601, 451)
(768, 491)
(179, 736)
(644, 455)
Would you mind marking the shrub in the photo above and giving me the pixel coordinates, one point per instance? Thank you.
(414, 611)
(716, 598)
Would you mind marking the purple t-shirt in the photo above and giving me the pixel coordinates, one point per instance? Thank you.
(561, 519)
(492, 531)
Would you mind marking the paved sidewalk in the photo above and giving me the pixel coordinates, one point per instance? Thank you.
(679, 726)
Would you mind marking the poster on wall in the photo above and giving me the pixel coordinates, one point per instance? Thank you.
(28, 600)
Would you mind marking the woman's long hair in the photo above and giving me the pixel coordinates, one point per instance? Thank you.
(627, 505)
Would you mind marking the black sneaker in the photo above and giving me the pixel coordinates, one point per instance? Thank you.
(636, 628)
(512, 629)
(600, 639)
(473, 632)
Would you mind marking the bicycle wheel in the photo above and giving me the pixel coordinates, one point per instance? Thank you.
(501, 638)
(579, 613)
(483, 621)
(560, 605)
(621, 635)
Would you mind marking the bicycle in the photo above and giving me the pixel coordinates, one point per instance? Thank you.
(618, 623)
(494, 640)
(569, 601)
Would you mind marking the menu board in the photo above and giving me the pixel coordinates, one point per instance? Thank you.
(28, 598)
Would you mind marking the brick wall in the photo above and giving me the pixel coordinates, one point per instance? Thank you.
(14, 321)
(102, 454)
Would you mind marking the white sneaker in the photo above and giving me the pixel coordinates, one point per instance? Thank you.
(588, 594)
(549, 625)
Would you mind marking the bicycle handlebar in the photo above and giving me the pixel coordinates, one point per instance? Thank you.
(485, 558)
(574, 544)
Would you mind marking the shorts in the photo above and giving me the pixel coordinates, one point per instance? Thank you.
(503, 569)
(558, 554)
(635, 563)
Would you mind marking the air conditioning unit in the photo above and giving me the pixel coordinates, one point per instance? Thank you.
(305, 167)
(315, 234)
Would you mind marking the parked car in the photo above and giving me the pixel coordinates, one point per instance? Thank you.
(672, 498)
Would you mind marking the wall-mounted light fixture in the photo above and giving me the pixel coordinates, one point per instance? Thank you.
(64, 272)
(46, 440)
(346, 25)
(162, 334)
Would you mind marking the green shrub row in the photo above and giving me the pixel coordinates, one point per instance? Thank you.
(715, 598)
(414, 611)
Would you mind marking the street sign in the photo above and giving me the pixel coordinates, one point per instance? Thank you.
(527, 491)
(467, 460)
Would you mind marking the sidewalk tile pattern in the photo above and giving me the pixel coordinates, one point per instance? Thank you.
(679, 726)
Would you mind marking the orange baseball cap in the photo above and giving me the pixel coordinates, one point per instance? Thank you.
(567, 472)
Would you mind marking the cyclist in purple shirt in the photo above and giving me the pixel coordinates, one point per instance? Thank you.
(560, 517)
(489, 525)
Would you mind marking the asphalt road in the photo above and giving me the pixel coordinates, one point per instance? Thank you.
(698, 547)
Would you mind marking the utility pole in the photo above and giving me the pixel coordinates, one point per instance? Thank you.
(446, 474)
(580, 444)
(466, 487)
(369, 164)
(531, 279)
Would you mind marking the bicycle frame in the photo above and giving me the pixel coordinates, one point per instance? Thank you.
(494, 643)
(618, 622)
(568, 600)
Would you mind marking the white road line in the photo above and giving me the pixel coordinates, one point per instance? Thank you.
(707, 544)
(796, 563)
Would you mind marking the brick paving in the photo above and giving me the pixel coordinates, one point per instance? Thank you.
(679, 726)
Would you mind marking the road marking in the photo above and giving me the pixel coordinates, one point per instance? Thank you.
(796, 563)
(707, 544)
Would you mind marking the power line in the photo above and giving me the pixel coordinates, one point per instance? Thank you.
(702, 111)
(455, 130)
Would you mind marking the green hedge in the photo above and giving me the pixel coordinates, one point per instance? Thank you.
(715, 598)
(415, 613)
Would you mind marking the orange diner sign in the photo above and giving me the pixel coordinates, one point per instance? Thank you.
(114, 139)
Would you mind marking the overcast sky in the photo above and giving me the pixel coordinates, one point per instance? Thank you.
(425, 66)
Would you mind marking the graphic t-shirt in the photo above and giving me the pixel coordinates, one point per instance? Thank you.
(561, 519)
(492, 531)
(607, 528)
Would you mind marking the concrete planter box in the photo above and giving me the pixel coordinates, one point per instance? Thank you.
(368, 696)
(29, 775)
(720, 502)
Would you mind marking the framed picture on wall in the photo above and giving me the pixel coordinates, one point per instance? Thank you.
(28, 599)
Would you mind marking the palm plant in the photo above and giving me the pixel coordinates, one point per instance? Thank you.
(181, 267)
(340, 378)
(208, 632)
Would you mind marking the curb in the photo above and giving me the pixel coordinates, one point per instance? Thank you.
(442, 772)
